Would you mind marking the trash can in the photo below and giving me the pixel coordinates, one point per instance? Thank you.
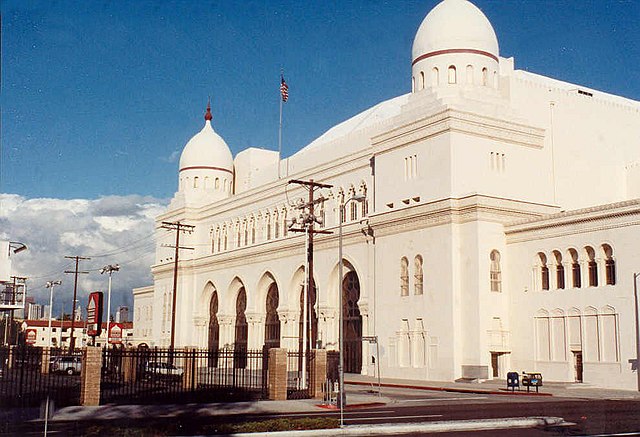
(513, 381)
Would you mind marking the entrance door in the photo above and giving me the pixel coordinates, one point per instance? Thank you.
(494, 364)
(577, 364)
(352, 323)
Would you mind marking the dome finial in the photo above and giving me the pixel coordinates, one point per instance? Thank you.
(208, 116)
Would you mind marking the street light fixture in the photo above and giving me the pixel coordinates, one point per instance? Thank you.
(342, 398)
(16, 247)
(51, 285)
(109, 269)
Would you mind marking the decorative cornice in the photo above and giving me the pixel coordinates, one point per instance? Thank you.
(453, 120)
(454, 52)
(597, 218)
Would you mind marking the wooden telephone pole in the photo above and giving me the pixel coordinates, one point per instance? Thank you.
(72, 340)
(178, 227)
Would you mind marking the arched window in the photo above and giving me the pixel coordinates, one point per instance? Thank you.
(485, 76)
(576, 274)
(559, 270)
(285, 229)
(418, 275)
(544, 271)
(470, 74)
(421, 83)
(404, 277)
(195, 181)
(267, 224)
(592, 266)
(435, 76)
(354, 210)
(225, 239)
(245, 228)
(276, 225)
(253, 231)
(217, 182)
(413, 84)
(452, 74)
(238, 235)
(495, 274)
(609, 265)
(495, 79)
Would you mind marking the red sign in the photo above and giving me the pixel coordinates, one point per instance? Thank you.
(31, 336)
(115, 336)
(94, 314)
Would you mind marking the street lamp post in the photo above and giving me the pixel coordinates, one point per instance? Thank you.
(342, 399)
(109, 269)
(51, 285)
(635, 296)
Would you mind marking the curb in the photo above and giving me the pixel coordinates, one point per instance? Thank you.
(352, 406)
(452, 389)
(430, 427)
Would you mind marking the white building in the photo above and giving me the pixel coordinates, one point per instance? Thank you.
(499, 231)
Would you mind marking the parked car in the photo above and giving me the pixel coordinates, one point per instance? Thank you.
(160, 369)
(70, 365)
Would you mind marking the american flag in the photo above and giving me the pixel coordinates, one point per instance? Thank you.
(284, 89)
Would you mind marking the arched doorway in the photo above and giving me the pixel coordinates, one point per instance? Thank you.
(312, 333)
(352, 323)
(214, 331)
(242, 331)
(272, 322)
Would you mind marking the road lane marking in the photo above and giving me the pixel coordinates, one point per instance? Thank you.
(334, 412)
(426, 416)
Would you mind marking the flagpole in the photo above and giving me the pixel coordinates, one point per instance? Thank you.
(280, 138)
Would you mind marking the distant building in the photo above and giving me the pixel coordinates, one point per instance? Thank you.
(36, 333)
(122, 314)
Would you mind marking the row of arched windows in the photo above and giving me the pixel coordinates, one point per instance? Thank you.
(274, 223)
(486, 78)
(418, 276)
(575, 269)
(206, 183)
(264, 226)
(592, 333)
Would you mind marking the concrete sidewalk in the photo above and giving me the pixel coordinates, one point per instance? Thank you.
(496, 386)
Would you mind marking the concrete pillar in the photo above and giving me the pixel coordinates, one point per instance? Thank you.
(129, 365)
(189, 377)
(90, 377)
(277, 374)
(318, 367)
(44, 365)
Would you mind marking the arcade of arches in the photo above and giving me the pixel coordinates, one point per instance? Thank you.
(274, 326)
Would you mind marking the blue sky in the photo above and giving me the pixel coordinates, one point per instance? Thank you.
(99, 97)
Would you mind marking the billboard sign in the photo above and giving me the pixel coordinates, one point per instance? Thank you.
(115, 335)
(94, 314)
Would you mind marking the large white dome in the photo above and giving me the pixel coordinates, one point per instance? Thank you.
(206, 150)
(455, 26)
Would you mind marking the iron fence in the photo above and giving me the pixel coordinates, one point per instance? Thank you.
(25, 381)
(297, 385)
(163, 375)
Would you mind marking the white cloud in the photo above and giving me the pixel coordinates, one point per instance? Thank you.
(171, 158)
(109, 230)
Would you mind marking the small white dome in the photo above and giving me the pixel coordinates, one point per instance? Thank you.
(455, 26)
(206, 150)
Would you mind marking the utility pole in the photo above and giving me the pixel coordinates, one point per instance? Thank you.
(307, 221)
(72, 340)
(178, 227)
